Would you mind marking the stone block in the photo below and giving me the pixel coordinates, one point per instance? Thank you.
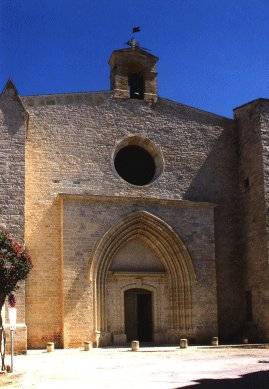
(50, 347)
(183, 343)
(135, 345)
(87, 346)
(215, 341)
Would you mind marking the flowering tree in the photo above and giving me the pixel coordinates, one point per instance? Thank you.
(15, 264)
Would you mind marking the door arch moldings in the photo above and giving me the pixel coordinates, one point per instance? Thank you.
(164, 241)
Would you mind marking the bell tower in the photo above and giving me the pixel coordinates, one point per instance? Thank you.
(133, 73)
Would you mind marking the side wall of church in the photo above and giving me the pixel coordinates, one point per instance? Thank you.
(70, 149)
(253, 123)
(12, 165)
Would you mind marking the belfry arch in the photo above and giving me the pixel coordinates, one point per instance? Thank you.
(171, 251)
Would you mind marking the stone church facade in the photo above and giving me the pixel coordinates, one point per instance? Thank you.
(145, 218)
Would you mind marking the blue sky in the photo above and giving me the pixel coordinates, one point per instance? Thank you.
(213, 53)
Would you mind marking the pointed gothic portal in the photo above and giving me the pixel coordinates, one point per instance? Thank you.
(138, 315)
(178, 270)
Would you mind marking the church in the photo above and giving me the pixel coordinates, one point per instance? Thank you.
(146, 219)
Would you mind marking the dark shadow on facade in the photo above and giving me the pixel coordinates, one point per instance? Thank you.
(217, 182)
(256, 380)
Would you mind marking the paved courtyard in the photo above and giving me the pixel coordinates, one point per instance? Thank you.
(151, 368)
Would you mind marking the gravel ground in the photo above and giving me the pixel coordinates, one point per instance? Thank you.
(151, 368)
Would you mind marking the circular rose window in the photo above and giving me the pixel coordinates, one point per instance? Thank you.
(137, 161)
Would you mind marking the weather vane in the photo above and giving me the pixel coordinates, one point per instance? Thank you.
(133, 43)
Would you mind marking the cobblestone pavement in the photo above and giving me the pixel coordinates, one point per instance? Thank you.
(151, 368)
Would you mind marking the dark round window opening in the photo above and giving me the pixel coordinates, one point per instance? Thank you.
(135, 165)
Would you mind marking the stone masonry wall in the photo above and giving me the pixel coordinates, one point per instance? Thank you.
(70, 149)
(264, 109)
(253, 124)
(12, 165)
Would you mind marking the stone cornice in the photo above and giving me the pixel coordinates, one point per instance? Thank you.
(134, 199)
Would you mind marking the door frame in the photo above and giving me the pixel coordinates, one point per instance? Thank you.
(152, 290)
(136, 292)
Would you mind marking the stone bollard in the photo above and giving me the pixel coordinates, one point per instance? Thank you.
(183, 343)
(87, 346)
(215, 341)
(135, 345)
(50, 347)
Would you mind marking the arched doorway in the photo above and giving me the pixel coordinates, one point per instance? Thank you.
(138, 314)
(173, 286)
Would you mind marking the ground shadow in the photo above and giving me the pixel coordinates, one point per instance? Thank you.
(256, 380)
